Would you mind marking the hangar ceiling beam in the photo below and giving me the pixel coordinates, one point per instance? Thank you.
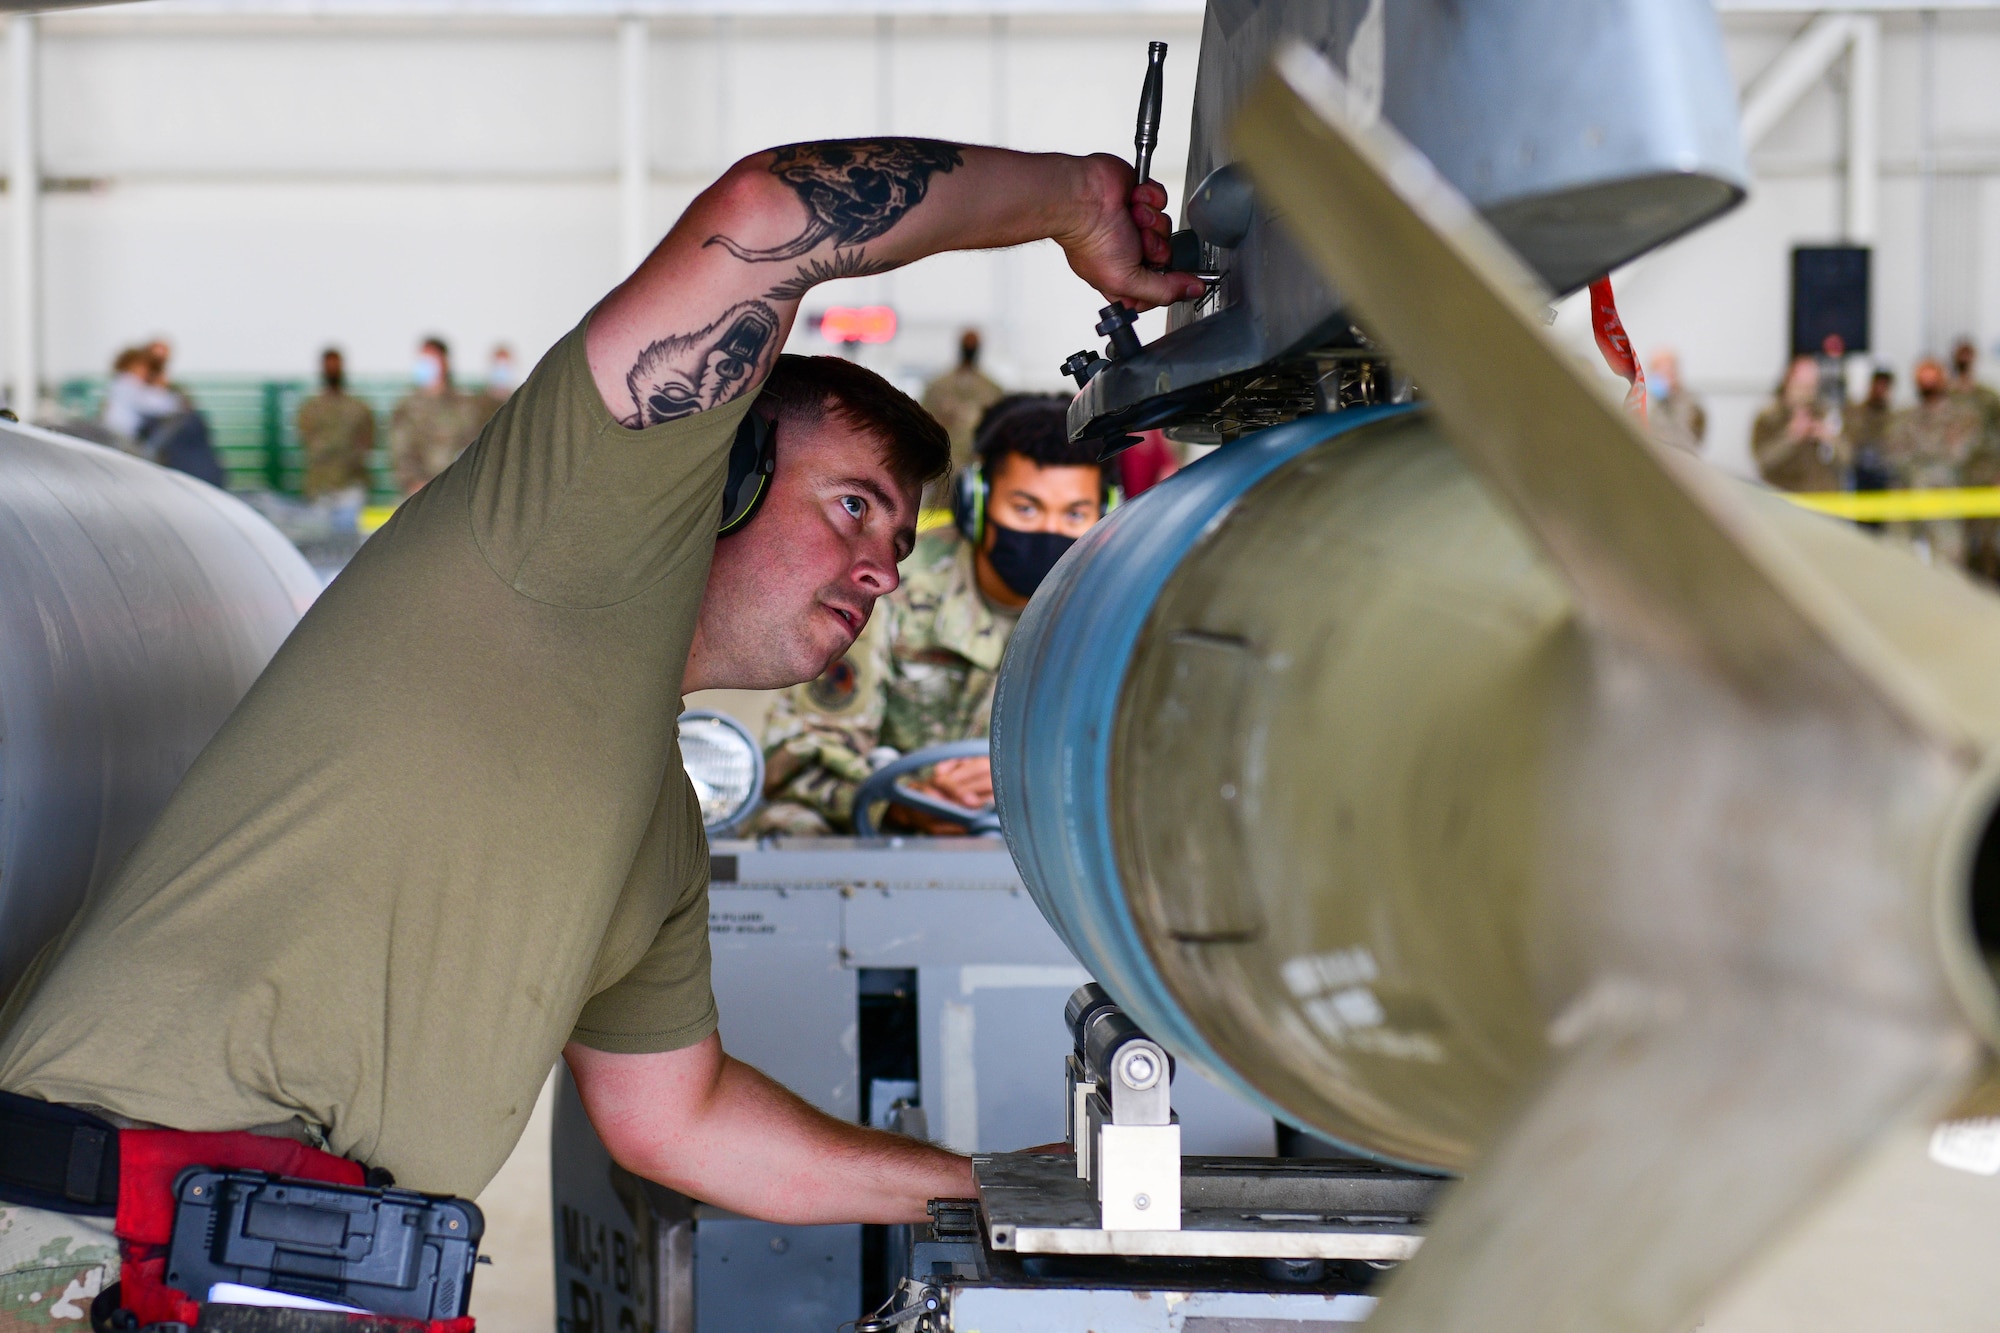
(1801, 65)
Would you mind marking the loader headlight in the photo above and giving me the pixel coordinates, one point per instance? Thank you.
(726, 766)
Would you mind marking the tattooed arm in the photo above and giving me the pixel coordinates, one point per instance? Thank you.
(701, 320)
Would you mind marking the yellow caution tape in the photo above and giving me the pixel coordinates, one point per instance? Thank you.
(1904, 506)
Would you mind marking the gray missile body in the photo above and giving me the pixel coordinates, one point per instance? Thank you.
(136, 607)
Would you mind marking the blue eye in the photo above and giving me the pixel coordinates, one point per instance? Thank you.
(853, 504)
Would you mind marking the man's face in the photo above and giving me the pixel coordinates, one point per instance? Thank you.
(1878, 390)
(1801, 382)
(1929, 379)
(432, 372)
(789, 593)
(1030, 498)
(1962, 358)
(331, 369)
(1665, 371)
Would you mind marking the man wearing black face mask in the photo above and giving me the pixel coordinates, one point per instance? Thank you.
(922, 673)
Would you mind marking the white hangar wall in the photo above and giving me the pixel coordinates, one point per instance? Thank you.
(255, 178)
(256, 184)
(1722, 296)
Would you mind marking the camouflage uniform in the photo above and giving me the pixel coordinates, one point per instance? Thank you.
(1866, 427)
(1928, 445)
(921, 674)
(1679, 419)
(1981, 468)
(429, 430)
(337, 432)
(1981, 399)
(1790, 464)
(52, 1265)
(958, 398)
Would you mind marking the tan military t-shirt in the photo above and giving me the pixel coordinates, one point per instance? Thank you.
(446, 831)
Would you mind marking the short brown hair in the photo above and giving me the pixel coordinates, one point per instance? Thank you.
(1035, 426)
(806, 388)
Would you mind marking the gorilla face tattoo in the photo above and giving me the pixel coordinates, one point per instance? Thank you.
(853, 191)
(679, 376)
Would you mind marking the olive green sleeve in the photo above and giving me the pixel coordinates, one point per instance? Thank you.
(573, 509)
(665, 1002)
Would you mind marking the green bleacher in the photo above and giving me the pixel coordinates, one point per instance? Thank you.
(254, 423)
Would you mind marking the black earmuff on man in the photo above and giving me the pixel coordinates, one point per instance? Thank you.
(752, 460)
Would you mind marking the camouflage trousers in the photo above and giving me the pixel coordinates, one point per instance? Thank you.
(52, 1265)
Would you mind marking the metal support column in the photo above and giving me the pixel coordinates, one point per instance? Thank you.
(1864, 119)
(885, 88)
(635, 233)
(24, 187)
(1927, 303)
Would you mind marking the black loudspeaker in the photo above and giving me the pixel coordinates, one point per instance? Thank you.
(1829, 297)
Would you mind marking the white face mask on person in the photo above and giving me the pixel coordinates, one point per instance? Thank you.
(426, 372)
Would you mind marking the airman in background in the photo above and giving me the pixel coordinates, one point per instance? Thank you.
(337, 433)
(502, 375)
(922, 672)
(1866, 427)
(1676, 415)
(958, 399)
(434, 422)
(1967, 388)
(1797, 445)
(1930, 443)
(1982, 535)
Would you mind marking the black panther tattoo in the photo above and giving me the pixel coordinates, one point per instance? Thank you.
(844, 264)
(691, 372)
(854, 190)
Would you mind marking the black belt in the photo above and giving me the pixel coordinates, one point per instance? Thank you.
(57, 1157)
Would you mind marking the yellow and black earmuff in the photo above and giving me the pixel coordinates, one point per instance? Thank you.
(752, 459)
(968, 501)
